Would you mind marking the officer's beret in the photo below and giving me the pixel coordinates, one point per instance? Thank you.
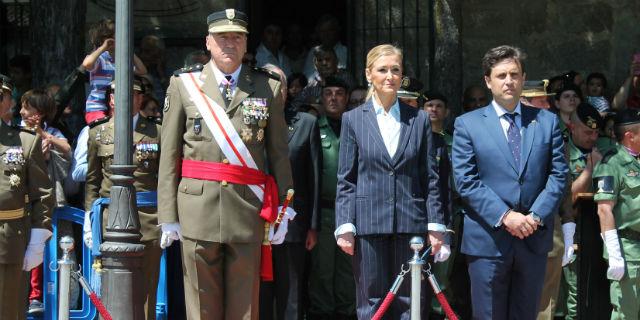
(535, 88)
(589, 116)
(332, 81)
(627, 117)
(229, 20)
(6, 83)
(410, 88)
(137, 85)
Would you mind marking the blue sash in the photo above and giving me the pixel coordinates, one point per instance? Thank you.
(143, 199)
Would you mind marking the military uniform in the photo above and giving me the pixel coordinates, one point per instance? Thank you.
(146, 139)
(220, 221)
(24, 179)
(332, 288)
(620, 176)
(617, 179)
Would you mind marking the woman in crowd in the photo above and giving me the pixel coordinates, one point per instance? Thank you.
(567, 99)
(387, 187)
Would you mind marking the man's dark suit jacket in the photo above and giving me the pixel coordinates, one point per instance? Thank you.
(305, 158)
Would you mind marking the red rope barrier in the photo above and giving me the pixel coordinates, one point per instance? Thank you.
(384, 306)
(99, 306)
(446, 307)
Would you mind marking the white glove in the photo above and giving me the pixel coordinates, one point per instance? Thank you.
(34, 256)
(277, 236)
(170, 232)
(616, 261)
(568, 230)
(443, 254)
(87, 237)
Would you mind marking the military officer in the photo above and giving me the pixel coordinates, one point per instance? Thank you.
(146, 139)
(617, 180)
(586, 123)
(224, 128)
(331, 281)
(23, 182)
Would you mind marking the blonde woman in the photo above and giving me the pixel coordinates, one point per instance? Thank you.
(387, 187)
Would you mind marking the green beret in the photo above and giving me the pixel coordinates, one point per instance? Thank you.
(589, 116)
(627, 117)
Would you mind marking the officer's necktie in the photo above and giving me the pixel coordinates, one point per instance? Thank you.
(227, 82)
(513, 137)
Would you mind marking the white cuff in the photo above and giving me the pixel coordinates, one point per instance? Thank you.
(345, 228)
(39, 236)
(436, 227)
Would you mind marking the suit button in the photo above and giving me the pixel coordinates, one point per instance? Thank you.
(391, 173)
(520, 181)
(225, 161)
(224, 183)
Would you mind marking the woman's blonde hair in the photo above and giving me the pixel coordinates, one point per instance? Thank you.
(380, 51)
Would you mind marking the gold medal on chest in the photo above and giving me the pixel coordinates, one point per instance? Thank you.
(247, 134)
(14, 180)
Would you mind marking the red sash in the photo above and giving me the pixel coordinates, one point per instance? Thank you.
(215, 171)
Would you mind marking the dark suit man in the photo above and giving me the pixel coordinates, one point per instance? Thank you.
(509, 168)
(289, 257)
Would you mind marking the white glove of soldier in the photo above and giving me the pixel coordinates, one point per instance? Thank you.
(616, 261)
(34, 255)
(170, 232)
(277, 236)
(568, 231)
(87, 237)
(443, 254)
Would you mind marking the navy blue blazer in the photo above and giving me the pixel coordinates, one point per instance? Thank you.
(488, 181)
(384, 195)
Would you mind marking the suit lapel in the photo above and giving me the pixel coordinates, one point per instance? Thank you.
(494, 128)
(244, 89)
(406, 122)
(210, 85)
(292, 127)
(370, 116)
(529, 128)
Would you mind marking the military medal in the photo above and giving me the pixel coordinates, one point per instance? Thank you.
(247, 134)
(14, 180)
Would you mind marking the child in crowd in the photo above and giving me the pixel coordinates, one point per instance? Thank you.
(101, 66)
(596, 84)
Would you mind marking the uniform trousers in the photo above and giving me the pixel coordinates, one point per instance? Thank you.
(625, 294)
(11, 288)
(376, 264)
(221, 280)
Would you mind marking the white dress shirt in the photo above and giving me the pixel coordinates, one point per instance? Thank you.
(501, 111)
(220, 76)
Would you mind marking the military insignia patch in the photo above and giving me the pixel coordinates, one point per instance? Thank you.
(604, 184)
(632, 173)
(166, 104)
(591, 123)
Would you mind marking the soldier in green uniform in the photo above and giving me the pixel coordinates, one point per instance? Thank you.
(146, 139)
(617, 180)
(224, 170)
(23, 183)
(586, 123)
(606, 140)
(332, 288)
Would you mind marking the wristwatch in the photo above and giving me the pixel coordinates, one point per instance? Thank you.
(536, 218)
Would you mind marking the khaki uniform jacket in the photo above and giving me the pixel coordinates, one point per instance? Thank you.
(99, 161)
(34, 189)
(211, 210)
